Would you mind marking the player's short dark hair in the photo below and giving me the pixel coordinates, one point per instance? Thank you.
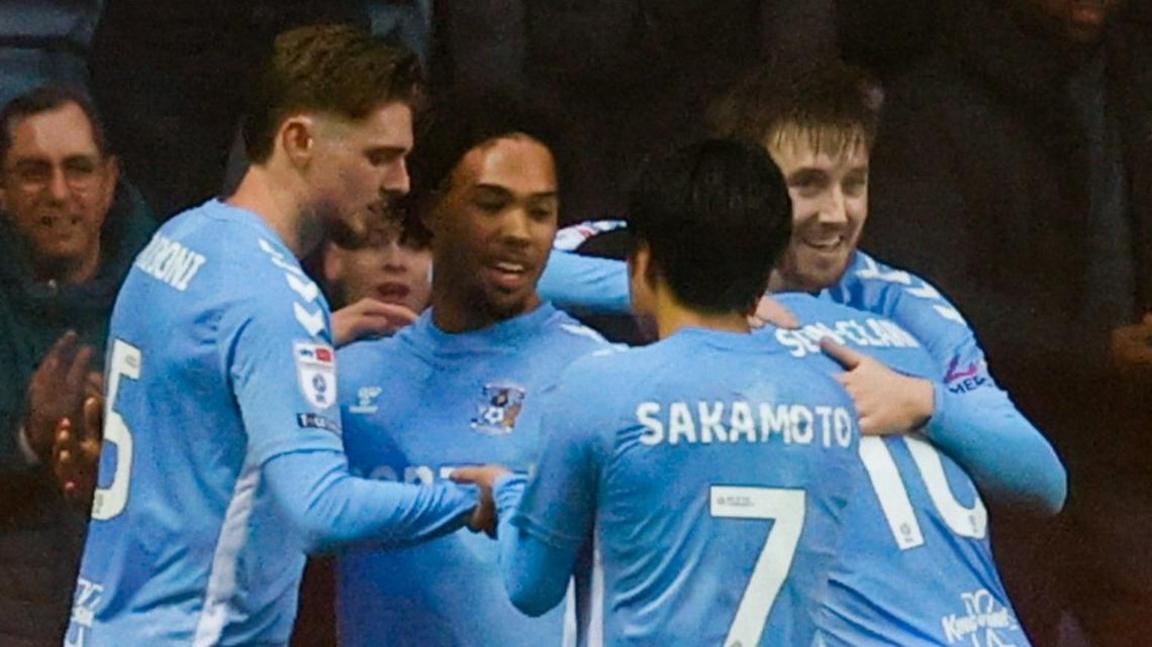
(715, 215)
(340, 69)
(835, 105)
(464, 118)
(45, 99)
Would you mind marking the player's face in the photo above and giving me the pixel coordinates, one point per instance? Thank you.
(493, 228)
(358, 167)
(57, 187)
(387, 266)
(829, 191)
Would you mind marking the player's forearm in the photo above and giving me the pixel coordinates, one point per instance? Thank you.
(1007, 457)
(536, 574)
(333, 509)
(586, 283)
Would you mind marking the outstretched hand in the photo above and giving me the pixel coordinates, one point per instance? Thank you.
(76, 453)
(369, 316)
(484, 478)
(887, 402)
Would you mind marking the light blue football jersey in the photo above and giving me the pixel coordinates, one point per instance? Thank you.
(414, 406)
(714, 469)
(219, 361)
(915, 566)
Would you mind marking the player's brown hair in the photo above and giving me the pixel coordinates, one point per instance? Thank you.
(339, 69)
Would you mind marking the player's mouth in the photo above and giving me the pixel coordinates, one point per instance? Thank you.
(55, 221)
(508, 275)
(825, 244)
(393, 292)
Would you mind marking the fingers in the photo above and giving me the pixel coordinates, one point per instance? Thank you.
(77, 376)
(93, 419)
(847, 357)
(94, 384)
(770, 311)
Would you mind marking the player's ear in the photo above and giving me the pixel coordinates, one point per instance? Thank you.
(297, 137)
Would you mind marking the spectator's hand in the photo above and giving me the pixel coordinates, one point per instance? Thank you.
(888, 402)
(57, 391)
(484, 478)
(1132, 345)
(769, 311)
(369, 316)
(76, 453)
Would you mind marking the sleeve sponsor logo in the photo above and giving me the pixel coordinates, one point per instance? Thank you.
(317, 421)
(316, 370)
(962, 379)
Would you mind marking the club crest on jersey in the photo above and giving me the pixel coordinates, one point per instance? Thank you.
(499, 408)
(316, 369)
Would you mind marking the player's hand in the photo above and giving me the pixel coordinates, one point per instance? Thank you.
(57, 391)
(1132, 345)
(369, 316)
(483, 477)
(769, 311)
(76, 453)
(888, 402)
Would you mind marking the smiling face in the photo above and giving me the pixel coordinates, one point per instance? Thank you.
(493, 228)
(57, 189)
(828, 185)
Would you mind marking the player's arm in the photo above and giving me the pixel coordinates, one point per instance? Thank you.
(277, 349)
(585, 283)
(333, 509)
(973, 420)
(543, 531)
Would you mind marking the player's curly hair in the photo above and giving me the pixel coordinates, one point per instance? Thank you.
(340, 69)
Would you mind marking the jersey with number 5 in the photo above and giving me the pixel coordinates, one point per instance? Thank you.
(915, 567)
(714, 469)
(220, 359)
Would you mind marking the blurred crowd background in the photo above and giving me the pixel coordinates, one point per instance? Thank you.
(1013, 168)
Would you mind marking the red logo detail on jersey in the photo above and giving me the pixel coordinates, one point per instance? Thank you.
(954, 372)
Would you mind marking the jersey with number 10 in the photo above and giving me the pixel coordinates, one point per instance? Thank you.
(714, 469)
(915, 566)
(220, 359)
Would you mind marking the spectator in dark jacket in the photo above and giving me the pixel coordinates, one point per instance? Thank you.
(1012, 169)
(67, 238)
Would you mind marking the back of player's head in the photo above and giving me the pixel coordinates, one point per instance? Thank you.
(834, 106)
(339, 69)
(714, 215)
(43, 99)
(465, 118)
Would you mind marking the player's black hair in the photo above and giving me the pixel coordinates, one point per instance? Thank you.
(715, 215)
(464, 118)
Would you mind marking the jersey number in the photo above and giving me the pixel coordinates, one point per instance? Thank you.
(890, 489)
(110, 501)
(787, 508)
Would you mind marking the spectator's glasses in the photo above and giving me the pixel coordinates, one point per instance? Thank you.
(81, 173)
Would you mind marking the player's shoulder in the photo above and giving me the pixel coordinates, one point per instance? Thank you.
(370, 358)
(570, 332)
(872, 285)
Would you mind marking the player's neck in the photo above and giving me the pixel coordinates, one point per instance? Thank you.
(454, 311)
(672, 316)
(261, 193)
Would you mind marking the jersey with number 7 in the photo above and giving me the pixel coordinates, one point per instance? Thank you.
(714, 469)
